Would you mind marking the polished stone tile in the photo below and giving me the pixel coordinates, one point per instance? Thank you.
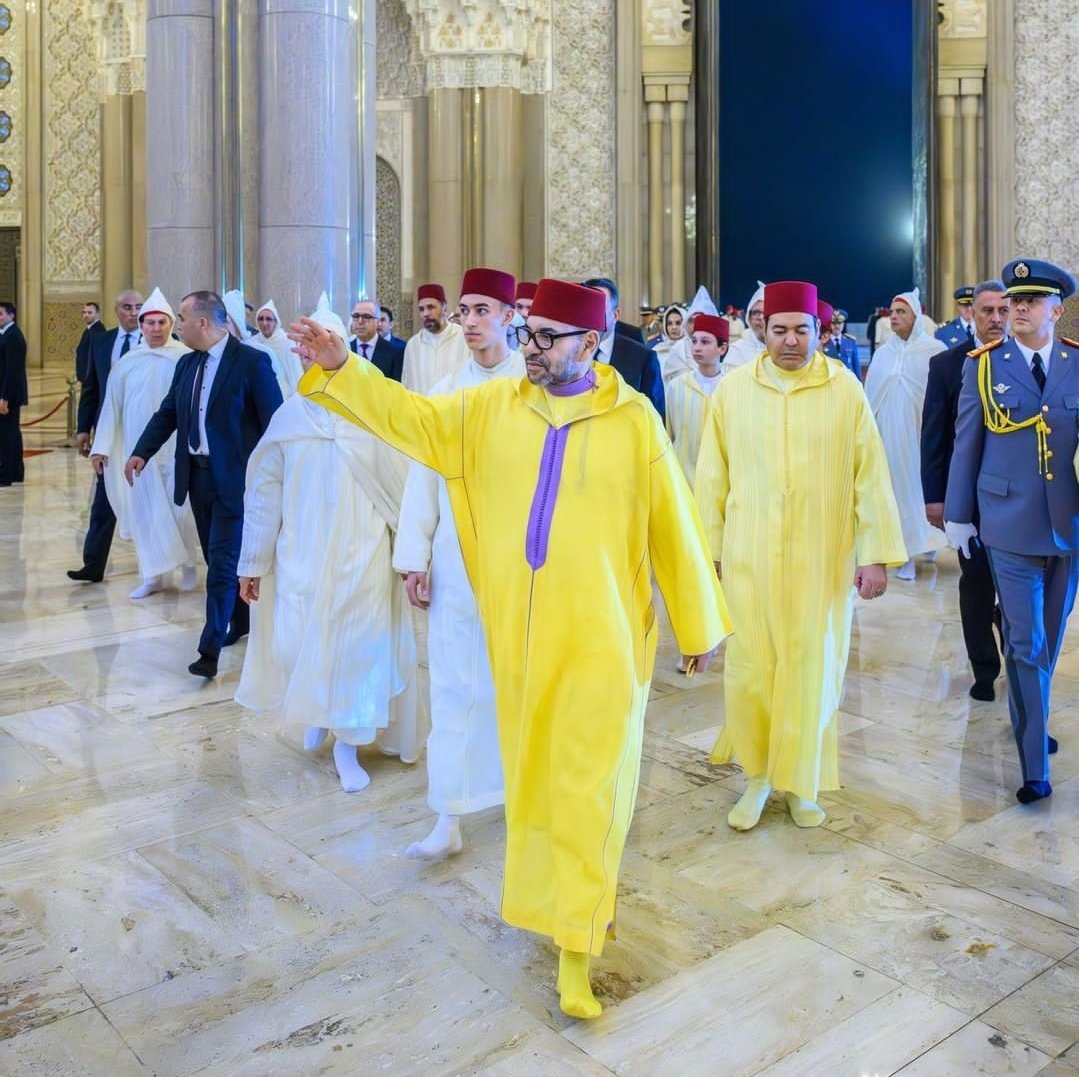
(893, 923)
(978, 1051)
(63, 632)
(84, 1045)
(879, 1039)
(121, 924)
(35, 987)
(1044, 1012)
(29, 685)
(253, 885)
(751, 1005)
(20, 770)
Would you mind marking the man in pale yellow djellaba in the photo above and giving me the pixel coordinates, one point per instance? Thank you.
(795, 496)
(567, 497)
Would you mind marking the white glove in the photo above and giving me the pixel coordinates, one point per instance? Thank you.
(960, 536)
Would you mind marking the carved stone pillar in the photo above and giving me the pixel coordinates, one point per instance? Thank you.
(946, 192)
(479, 56)
(969, 110)
(657, 111)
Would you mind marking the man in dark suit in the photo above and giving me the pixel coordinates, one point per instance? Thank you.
(13, 395)
(977, 594)
(104, 350)
(1015, 443)
(368, 344)
(638, 365)
(222, 397)
(385, 328)
(91, 318)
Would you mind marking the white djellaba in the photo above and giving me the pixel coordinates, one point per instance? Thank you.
(287, 367)
(163, 532)
(895, 386)
(332, 647)
(236, 307)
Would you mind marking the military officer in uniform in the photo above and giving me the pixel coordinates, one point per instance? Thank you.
(841, 345)
(960, 330)
(1015, 440)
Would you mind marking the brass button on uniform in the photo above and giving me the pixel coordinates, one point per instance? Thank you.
(1048, 476)
(1048, 453)
(1048, 429)
(1045, 407)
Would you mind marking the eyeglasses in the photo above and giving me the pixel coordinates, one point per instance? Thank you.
(544, 340)
(364, 317)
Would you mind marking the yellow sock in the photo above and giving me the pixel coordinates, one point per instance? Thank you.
(804, 812)
(574, 986)
(747, 812)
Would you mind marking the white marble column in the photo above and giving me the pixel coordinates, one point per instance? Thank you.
(307, 152)
(180, 183)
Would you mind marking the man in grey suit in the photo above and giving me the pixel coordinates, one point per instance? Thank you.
(1015, 439)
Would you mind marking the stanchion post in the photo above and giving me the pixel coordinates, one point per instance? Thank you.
(72, 407)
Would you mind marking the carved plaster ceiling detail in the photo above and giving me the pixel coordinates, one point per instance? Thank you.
(665, 22)
(398, 63)
(120, 30)
(962, 18)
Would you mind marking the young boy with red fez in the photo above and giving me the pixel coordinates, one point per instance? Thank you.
(793, 486)
(568, 497)
(439, 347)
(689, 395)
(464, 768)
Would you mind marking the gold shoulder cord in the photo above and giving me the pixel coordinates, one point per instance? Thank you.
(998, 420)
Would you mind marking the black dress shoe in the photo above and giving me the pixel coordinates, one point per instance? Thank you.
(983, 690)
(204, 666)
(1033, 791)
(84, 575)
(1053, 746)
(234, 635)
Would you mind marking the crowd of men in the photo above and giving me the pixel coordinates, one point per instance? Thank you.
(523, 469)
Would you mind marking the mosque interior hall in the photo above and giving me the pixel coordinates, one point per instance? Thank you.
(184, 888)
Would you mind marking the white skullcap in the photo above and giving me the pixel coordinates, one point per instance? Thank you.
(327, 319)
(912, 300)
(157, 304)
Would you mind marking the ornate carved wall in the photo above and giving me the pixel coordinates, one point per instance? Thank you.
(12, 79)
(388, 240)
(581, 119)
(71, 169)
(1046, 42)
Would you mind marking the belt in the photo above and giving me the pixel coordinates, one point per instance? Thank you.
(199, 461)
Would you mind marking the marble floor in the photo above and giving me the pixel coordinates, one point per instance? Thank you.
(182, 892)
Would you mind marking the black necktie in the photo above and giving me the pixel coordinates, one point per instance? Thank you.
(126, 346)
(1038, 370)
(363, 350)
(970, 331)
(194, 437)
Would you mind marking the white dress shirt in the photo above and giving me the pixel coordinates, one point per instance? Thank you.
(1028, 354)
(603, 352)
(213, 361)
(136, 339)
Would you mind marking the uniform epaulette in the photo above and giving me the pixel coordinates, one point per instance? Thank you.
(1071, 343)
(979, 352)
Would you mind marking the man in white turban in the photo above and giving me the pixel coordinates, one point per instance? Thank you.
(236, 308)
(895, 386)
(331, 645)
(163, 532)
(272, 335)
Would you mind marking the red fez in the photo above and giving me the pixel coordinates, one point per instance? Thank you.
(720, 328)
(784, 296)
(492, 283)
(526, 289)
(431, 291)
(573, 304)
(825, 312)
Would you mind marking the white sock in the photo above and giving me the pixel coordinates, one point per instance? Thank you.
(188, 578)
(353, 776)
(905, 572)
(746, 814)
(314, 736)
(147, 587)
(444, 840)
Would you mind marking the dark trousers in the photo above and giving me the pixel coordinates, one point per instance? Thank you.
(977, 604)
(220, 535)
(98, 542)
(1036, 597)
(11, 468)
